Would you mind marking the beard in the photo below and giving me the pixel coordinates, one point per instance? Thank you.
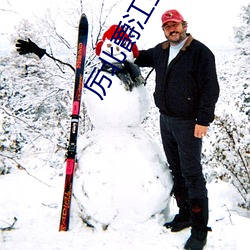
(175, 37)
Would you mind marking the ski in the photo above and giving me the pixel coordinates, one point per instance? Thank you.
(71, 160)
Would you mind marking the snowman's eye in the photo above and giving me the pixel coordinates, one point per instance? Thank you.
(109, 45)
(117, 48)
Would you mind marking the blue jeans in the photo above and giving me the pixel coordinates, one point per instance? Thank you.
(183, 152)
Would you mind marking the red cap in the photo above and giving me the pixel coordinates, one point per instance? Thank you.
(108, 35)
(171, 16)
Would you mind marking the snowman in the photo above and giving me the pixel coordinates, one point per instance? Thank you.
(122, 178)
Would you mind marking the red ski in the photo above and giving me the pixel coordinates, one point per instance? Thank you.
(71, 153)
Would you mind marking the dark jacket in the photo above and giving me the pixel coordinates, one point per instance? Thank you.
(188, 87)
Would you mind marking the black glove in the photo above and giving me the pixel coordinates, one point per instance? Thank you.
(134, 72)
(24, 47)
(126, 79)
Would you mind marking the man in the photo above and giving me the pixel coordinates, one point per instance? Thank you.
(186, 93)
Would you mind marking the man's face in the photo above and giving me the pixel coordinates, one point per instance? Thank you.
(174, 32)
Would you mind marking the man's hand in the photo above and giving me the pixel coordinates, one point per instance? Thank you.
(24, 47)
(200, 131)
(135, 73)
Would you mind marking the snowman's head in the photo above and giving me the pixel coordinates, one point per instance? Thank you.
(118, 51)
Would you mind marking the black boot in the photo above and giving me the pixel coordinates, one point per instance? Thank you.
(182, 220)
(197, 240)
(199, 215)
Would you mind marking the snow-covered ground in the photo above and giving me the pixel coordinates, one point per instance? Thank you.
(37, 208)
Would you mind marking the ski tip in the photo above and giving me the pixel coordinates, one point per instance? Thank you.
(84, 17)
(83, 20)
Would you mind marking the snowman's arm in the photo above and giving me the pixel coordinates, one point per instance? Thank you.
(25, 47)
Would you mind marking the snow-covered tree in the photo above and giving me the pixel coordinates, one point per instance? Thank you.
(230, 154)
(36, 95)
(242, 33)
(34, 105)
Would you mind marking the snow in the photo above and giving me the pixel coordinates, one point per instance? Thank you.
(124, 181)
(37, 208)
(125, 108)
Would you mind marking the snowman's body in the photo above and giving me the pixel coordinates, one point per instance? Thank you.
(122, 177)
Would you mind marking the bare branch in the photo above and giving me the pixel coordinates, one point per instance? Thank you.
(30, 127)
(10, 227)
(19, 166)
(1, 9)
(57, 60)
